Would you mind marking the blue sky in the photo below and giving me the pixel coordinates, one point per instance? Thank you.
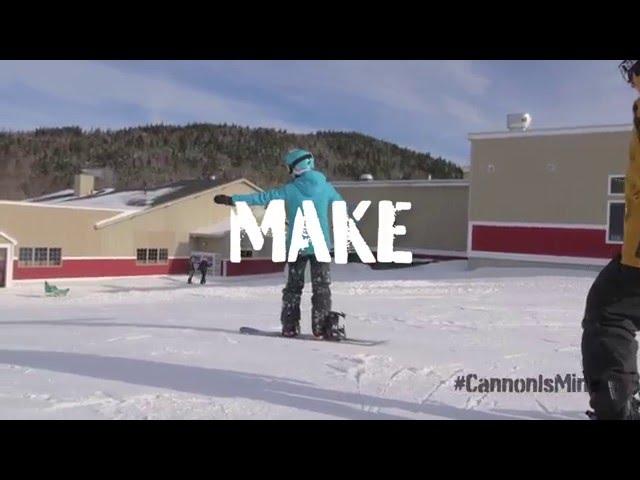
(429, 106)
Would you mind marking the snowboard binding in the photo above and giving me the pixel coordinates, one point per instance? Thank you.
(332, 328)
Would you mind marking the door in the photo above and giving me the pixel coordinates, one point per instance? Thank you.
(3, 266)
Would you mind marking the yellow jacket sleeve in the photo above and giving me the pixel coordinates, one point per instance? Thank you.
(631, 246)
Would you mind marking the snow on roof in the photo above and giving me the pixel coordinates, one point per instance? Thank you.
(128, 200)
(54, 197)
(132, 200)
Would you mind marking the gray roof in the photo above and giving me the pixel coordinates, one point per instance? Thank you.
(131, 199)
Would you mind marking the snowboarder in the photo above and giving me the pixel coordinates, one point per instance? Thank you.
(193, 266)
(203, 267)
(306, 184)
(612, 313)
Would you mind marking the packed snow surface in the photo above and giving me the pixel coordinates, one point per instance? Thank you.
(157, 348)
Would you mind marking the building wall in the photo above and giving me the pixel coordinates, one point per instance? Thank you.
(437, 222)
(251, 266)
(221, 245)
(37, 225)
(544, 197)
(94, 243)
(168, 226)
(211, 244)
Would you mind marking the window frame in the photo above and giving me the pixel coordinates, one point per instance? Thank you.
(158, 260)
(146, 255)
(608, 237)
(59, 264)
(149, 260)
(25, 263)
(610, 179)
(40, 263)
(46, 263)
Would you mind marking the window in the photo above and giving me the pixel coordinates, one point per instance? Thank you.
(141, 255)
(55, 257)
(615, 223)
(25, 257)
(40, 257)
(616, 184)
(152, 255)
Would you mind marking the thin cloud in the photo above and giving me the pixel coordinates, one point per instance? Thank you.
(465, 76)
(88, 84)
(463, 111)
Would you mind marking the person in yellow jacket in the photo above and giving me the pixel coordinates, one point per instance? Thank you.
(631, 247)
(612, 313)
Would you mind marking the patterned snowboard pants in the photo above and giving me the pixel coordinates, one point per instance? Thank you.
(320, 286)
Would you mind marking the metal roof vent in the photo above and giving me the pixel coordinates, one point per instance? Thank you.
(518, 122)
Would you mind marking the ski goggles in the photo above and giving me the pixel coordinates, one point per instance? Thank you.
(297, 162)
(628, 68)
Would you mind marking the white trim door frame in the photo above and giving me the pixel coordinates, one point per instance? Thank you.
(607, 239)
(8, 270)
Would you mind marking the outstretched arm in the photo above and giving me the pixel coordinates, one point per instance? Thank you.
(336, 197)
(261, 198)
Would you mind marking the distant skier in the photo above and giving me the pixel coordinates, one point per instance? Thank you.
(193, 267)
(203, 267)
(306, 184)
(612, 314)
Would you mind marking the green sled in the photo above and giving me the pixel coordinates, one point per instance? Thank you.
(53, 291)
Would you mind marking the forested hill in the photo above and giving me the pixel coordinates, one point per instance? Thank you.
(45, 160)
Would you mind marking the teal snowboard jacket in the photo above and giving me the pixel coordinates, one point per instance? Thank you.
(311, 185)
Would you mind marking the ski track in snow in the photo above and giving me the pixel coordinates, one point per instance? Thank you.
(155, 348)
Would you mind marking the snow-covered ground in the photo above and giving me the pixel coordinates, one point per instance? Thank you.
(155, 348)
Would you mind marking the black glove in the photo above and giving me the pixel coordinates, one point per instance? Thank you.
(223, 200)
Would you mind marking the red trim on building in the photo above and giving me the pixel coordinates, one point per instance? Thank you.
(424, 256)
(565, 242)
(105, 267)
(108, 267)
(252, 266)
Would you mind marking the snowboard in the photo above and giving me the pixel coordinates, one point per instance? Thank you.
(309, 337)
